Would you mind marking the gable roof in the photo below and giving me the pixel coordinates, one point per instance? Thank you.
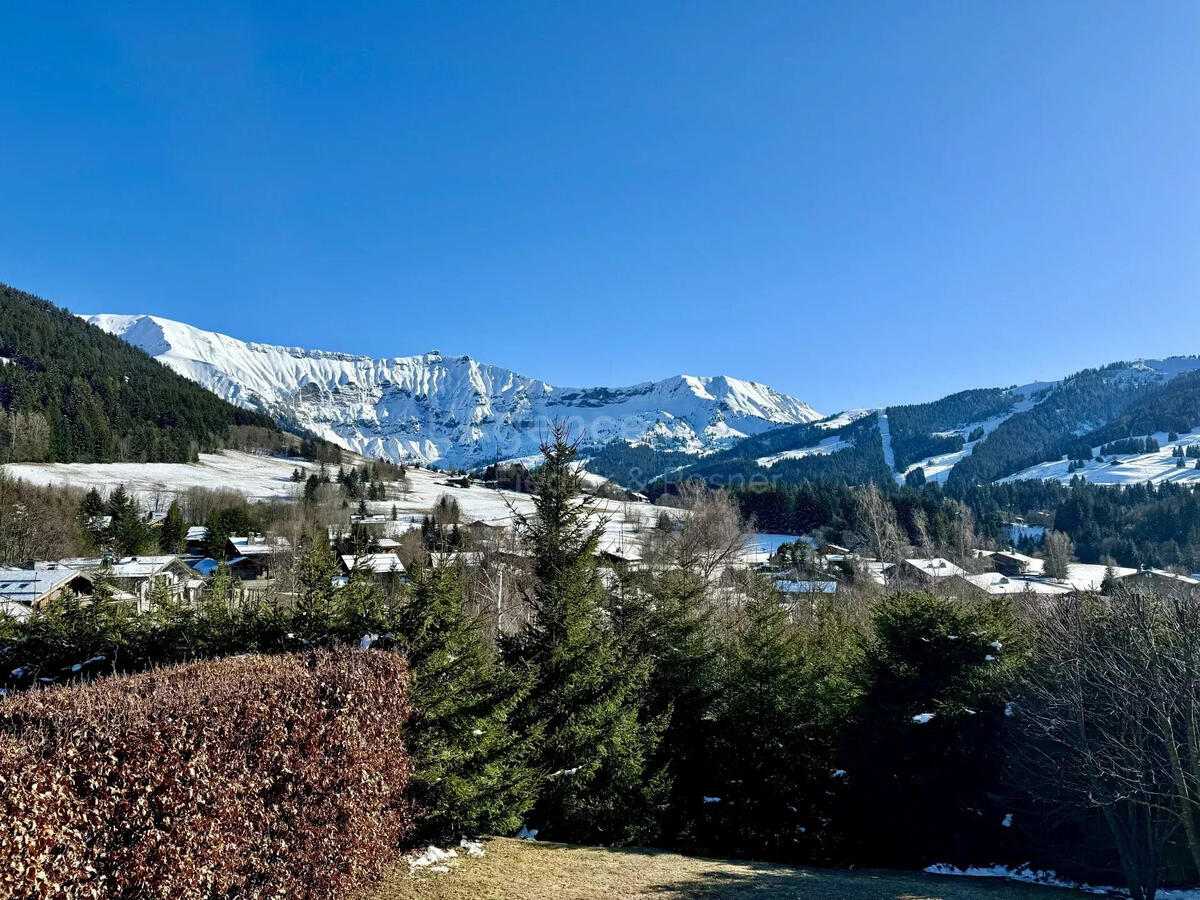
(997, 584)
(379, 563)
(936, 567)
(135, 567)
(27, 586)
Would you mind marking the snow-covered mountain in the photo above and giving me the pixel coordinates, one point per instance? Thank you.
(453, 411)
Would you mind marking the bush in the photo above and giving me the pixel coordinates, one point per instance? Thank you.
(249, 777)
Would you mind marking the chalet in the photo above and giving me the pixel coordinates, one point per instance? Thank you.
(23, 590)
(195, 539)
(1158, 581)
(385, 567)
(484, 531)
(998, 584)
(132, 577)
(929, 570)
(1013, 564)
(255, 553)
(372, 523)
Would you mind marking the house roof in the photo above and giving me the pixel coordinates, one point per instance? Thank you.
(379, 563)
(259, 545)
(196, 533)
(205, 566)
(27, 586)
(936, 567)
(126, 567)
(1189, 580)
(995, 583)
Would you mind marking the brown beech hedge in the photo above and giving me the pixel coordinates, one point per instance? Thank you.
(267, 777)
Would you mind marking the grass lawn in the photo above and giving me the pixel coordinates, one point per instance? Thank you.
(519, 870)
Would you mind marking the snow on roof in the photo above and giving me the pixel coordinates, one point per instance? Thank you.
(126, 567)
(197, 533)
(379, 563)
(30, 585)
(936, 567)
(386, 543)
(1163, 573)
(260, 545)
(1033, 565)
(995, 583)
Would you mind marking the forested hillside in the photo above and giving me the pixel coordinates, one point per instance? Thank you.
(922, 429)
(71, 393)
(1080, 403)
(1173, 407)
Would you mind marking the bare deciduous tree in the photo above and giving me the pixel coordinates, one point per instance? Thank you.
(712, 536)
(1110, 719)
(875, 528)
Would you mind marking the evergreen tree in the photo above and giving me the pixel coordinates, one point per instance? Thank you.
(173, 530)
(772, 756)
(931, 681)
(471, 768)
(92, 506)
(665, 618)
(128, 533)
(315, 571)
(586, 694)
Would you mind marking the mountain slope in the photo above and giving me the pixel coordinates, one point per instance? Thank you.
(71, 393)
(453, 411)
(973, 436)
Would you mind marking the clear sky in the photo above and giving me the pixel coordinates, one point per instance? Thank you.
(857, 203)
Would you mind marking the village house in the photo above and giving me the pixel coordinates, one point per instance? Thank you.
(1013, 564)
(195, 540)
(255, 556)
(1158, 581)
(133, 577)
(386, 568)
(24, 589)
(998, 584)
(930, 570)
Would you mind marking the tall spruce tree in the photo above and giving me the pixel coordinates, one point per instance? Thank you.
(173, 530)
(472, 775)
(586, 693)
(665, 618)
(771, 757)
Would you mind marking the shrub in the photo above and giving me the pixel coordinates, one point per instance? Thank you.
(250, 777)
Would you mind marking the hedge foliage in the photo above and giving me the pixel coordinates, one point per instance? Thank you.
(263, 777)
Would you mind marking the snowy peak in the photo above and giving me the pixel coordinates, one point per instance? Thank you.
(453, 411)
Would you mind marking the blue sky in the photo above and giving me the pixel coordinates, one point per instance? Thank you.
(857, 203)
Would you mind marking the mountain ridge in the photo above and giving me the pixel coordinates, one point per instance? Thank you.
(453, 411)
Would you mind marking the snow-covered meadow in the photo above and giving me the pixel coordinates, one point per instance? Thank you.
(265, 478)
